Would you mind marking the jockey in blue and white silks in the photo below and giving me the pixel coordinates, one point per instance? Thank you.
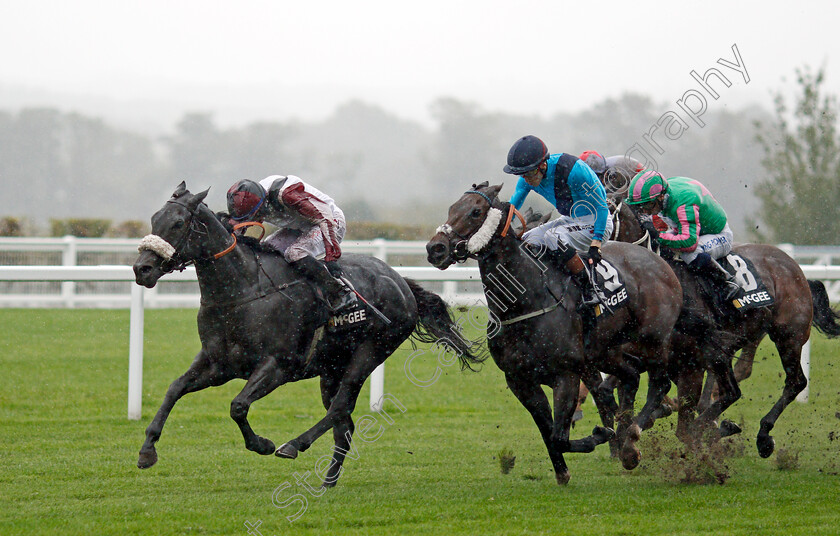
(577, 194)
(574, 190)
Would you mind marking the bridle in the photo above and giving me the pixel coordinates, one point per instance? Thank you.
(646, 240)
(471, 245)
(172, 255)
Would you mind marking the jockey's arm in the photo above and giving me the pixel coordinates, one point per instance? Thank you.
(519, 195)
(684, 237)
(316, 211)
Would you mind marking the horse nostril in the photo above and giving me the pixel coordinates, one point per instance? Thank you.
(144, 269)
(436, 249)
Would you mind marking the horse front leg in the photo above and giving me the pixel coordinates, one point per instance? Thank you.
(602, 394)
(721, 367)
(265, 379)
(628, 432)
(530, 394)
(565, 400)
(201, 374)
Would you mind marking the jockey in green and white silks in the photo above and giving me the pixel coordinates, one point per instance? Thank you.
(697, 225)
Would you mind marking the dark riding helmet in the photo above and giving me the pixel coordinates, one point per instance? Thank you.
(526, 154)
(594, 160)
(244, 199)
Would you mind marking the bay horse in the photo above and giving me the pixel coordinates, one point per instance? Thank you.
(538, 336)
(798, 303)
(259, 322)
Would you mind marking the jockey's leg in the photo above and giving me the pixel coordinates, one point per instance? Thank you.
(337, 293)
(704, 264)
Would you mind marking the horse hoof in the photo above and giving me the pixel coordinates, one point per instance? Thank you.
(562, 478)
(147, 458)
(630, 457)
(602, 434)
(287, 450)
(263, 446)
(766, 445)
(328, 484)
(729, 428)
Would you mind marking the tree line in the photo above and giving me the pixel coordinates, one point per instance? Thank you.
(777, 173)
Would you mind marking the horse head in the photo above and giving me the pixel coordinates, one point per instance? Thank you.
(472, 222)
(172, 243)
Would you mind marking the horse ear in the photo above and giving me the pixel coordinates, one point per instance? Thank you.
(484, 184)
(180, 190)
(198, 198)
(495, 189)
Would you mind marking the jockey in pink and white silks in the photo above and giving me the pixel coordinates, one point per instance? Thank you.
(698, 227)
(310, 226)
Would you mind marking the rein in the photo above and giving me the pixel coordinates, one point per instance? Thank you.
(479, 239)
(170, 253)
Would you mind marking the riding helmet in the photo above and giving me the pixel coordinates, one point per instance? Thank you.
(526, 154)
(645, 187)
(594, 160)
(244, 199)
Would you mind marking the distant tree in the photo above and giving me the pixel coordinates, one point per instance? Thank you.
(800, 198)
(10, 226)
(81, 227)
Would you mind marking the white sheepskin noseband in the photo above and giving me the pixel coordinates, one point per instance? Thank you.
(158, 245)
(482, 237)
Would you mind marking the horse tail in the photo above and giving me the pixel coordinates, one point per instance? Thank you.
(825, 318)
(435, 325)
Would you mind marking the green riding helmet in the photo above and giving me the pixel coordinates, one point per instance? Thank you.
(645, 187)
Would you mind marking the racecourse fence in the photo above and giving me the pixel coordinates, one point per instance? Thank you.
(78, 272)
(73, 251)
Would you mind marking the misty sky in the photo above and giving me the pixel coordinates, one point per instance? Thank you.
(283, 59)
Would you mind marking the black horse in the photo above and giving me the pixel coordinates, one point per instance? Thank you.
(540, 338)
(258, 321)
(711, 341)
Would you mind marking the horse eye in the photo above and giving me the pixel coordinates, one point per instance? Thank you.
(476, 213)
(178, 224)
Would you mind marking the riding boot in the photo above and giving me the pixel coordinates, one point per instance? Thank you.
(710, 268)
(582, 280)
(337, 294)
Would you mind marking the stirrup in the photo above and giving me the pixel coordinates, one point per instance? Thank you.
(345, 300)
(731, 290)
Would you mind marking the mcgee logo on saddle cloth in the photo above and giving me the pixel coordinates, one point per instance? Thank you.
(351, 319)
(610, 283)
(755, 293)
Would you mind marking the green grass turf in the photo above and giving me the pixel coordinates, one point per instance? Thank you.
(69, 452)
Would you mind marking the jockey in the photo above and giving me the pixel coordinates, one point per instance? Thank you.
(574, 190)
(697, 223)
(614, 172)
(310, 225)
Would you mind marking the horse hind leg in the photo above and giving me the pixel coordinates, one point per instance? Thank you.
(201, 374)
(365, 359)
(342, 432)
(790, 352)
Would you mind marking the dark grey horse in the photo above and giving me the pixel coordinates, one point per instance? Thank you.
(259, 322)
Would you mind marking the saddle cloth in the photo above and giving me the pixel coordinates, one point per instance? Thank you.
(610, 282)
(755, 292)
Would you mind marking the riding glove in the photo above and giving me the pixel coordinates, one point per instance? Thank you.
(595, 255)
